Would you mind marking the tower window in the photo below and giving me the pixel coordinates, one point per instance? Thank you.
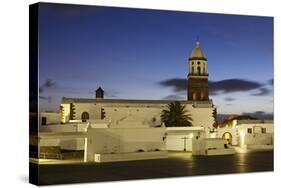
(202, 95)
(192, 69)
(199, 70)
(194, 96)
(192, 63)
(204, 68)
(198, 62)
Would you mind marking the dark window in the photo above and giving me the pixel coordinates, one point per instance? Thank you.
(199, 70)
(192, 63)
(194, 96)
(263, 130)
(250, 130)
(202, 96)
(204, 69)
(198, 62)
(192, 70)
(43, 121)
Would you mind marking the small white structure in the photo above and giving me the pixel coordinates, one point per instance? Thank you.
(180, 138)
(252, 134)
(211, 146)
(123, 144)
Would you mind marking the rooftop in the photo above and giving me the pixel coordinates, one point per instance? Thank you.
(131, 101)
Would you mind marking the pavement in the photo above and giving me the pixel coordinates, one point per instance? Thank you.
(179, 164)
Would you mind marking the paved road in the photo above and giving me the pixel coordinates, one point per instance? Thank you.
(178, 164)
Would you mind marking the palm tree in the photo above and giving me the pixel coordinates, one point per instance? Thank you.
(175, 115)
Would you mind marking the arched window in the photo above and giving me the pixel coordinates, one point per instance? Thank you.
(202, 95)
(199, 70)
(198, 62)
(85, 116)
(192, 63)
(192, 70)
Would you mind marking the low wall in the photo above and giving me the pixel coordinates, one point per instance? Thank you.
(211, 146)
(228, 151)
(130, 156)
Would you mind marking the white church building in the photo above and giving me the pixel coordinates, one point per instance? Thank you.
(146, 113)
(125, 129)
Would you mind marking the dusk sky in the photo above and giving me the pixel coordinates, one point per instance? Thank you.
(143, 54)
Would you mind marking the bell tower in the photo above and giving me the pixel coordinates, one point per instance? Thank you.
(198, 75)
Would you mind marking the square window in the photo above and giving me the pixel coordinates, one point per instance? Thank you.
(250, 130)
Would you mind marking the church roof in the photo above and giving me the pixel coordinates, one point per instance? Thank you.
(126, 101)
(197, 53)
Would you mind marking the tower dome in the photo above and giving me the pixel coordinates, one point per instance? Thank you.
(197, 53)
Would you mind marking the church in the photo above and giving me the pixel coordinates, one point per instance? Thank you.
(127, 113)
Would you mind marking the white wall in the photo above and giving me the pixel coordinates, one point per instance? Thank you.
(259, 139)
(201, 116)
(211, 146)
(51, 117)
(71, 127)
(123, 140)
(180, 138)
(65, 112)
(147, 115)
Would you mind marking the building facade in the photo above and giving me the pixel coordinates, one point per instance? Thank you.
(146, 113)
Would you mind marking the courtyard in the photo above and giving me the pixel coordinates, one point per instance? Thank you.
(179, 164)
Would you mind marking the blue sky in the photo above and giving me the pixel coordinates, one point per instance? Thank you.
(130, 52)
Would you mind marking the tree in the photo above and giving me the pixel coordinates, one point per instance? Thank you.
(176, 116)
(215, 118)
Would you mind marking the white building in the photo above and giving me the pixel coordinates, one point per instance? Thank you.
(119, 129)
(147, 112)
(252, 134)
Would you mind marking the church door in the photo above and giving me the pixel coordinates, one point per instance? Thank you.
(85, 116)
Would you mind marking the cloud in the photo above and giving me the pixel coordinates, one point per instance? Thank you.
(49, 99)
(111, 94)
(262, 92)
(178, 84)
(46, 85)
(232, 85)
(215, 87)
(229, 99)
(174, 97)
